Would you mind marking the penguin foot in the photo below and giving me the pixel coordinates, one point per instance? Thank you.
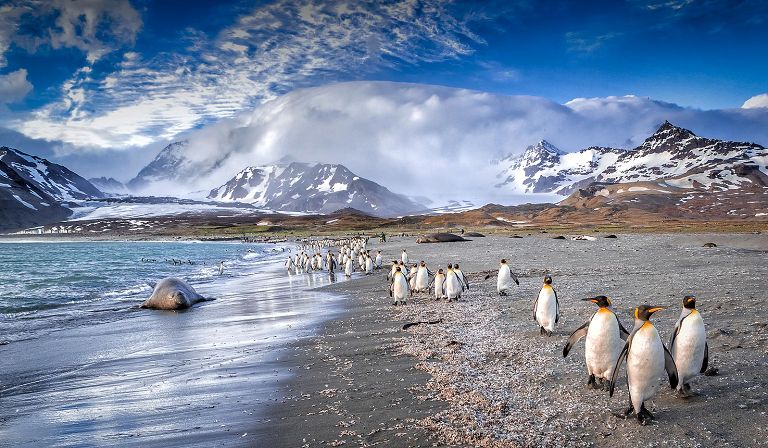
(541, 331)
(685, 392)
(626, 413)
(591, 382)
(644, 416)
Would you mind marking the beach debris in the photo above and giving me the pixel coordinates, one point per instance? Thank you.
(712, 371)
(559, 237)
(430, 322)
(610, 236)
(583, 238)
(474, 235)
(709, 245)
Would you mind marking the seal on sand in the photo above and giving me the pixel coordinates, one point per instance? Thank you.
(172, 294)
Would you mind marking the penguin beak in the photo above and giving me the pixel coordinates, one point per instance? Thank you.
(590, 299)
(656, 308)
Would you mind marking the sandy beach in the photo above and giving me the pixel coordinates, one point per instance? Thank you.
(484, 376)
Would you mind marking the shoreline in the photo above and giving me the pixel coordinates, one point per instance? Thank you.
(191, 378)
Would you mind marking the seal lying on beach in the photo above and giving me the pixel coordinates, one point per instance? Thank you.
(172, 294)
(439, 238)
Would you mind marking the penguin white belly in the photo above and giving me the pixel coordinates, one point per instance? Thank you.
(439, 287)
(404, 258)
(603, 344)
(400, 287)
(688, 350)
(645, 365)
(368, 266)
(422, 280)
(452, 287)
(378, 261)
(348, 268)
(504, 279)
(546, 308)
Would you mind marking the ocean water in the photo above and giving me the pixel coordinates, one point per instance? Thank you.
(51, 286)
(85, 366)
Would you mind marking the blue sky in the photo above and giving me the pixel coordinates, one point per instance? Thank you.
(88, 79)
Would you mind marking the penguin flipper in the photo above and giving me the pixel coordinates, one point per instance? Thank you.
(487, 277)
(623, 333)
(705, 363)
(557, 307)
(674, 334)
(517, 282)
(622, 357)
(574, 337)
(535, 305)
(671, 368)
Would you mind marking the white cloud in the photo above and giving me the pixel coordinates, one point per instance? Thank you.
(269, 51)
(436, 141)
(756, 101)
(14, 86)
(96, 27)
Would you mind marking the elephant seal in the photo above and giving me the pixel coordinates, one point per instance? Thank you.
(439, 238)
(172, 294)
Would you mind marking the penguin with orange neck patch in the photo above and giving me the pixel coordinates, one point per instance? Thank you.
(546, 307)
(689, 346)
(647, 360)
(605, 338)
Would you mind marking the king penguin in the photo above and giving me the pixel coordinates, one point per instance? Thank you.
(605, 339)
(505, 278)
(439, 282)
(647, 360)
(546, 307)
(422, 278)
(689, 345)
(399, 289)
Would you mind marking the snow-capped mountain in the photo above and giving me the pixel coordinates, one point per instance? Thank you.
(672, 154)
(34, 191)
(172, 164)
(543, 168)
(315, 188)
(109, 185)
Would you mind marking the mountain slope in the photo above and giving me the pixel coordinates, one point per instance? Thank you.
(672, 154)
(318, 188)
(33, 190)
(108, 185)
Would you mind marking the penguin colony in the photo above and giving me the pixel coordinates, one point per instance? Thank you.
(608, 345)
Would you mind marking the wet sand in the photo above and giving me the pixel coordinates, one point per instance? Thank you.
(195, 378)
(484, 376)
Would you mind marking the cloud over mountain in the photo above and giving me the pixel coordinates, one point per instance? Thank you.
(435, 141)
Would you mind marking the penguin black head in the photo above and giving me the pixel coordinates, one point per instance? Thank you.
(503, 261)
(601, 301)
(423, 264)
(644, 312)
(439, 271)
(547, 279)
(689, 302)
(450, 266)
(455, 266)
(397, 269)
